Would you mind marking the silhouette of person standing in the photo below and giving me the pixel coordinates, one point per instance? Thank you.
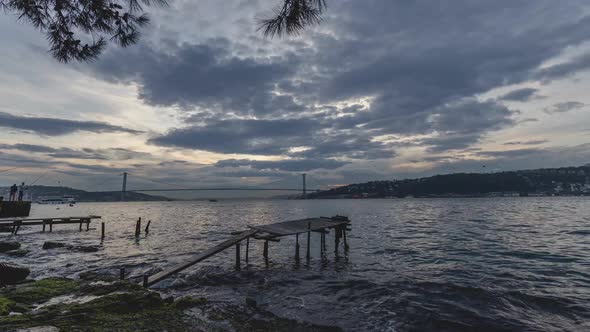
(13, 190)
(21, 191)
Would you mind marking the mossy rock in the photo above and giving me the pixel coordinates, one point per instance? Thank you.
(41, 290)
(6, 306)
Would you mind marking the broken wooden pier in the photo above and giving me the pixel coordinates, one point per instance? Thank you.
(16, 224)
(271, 232)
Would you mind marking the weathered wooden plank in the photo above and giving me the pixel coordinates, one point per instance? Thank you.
(299, 226)
(202, 256)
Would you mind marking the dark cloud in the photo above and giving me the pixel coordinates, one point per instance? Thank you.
(206, 75)
(291, 165)
(374, 69)
(57, 127)
(565, 107)
(533, 142)
(262, 137)
(85, 153)
(524, 94)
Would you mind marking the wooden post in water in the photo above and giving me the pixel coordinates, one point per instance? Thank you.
(336, 238)
(344, 238)
(238, 256)
(80, 229)
(138, 227)
(50, 225)
(265, 252)
(17, 223)
(102, 231)
(122, 273)
(43, 226)
(87, 225)
(308, 239)
(247, 248)
(147, 227)
(297, 247)
(145, 280)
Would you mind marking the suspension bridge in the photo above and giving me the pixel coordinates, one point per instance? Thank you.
(303, 189)
(174, 187)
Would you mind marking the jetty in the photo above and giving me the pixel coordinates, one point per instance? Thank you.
(270, 232)
(16, 224)
(11, 209)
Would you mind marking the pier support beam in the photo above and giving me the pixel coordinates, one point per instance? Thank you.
(138, 227)
(308, 240)
(102, 231)
(297, 247)
(247, 248)
(238, 265)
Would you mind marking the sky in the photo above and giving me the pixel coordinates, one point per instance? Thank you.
(380, 90)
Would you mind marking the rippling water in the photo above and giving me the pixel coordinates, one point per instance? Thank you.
(413, 264)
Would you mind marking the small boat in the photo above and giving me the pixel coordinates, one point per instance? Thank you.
(65, 199)
(212, 200)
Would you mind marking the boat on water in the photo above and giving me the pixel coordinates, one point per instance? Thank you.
(65, 199)
(212, 200)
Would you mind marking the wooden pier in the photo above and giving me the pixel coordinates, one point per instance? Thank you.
(271, 232)
(16, 224)
(13, 209)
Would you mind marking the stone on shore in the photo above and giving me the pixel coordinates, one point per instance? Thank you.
(53, 245)
(18, 252)
(8, 245)
(12, 273)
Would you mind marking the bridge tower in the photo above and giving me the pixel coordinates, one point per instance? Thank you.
(304, 185)
(124, 186)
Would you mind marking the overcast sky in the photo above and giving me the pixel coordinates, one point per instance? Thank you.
(380, 90)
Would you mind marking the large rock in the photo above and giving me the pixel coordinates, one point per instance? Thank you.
(18, 253)
(53, 245)
(12, 273)
(8, 245)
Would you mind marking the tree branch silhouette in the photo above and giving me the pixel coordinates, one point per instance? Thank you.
(79, 30)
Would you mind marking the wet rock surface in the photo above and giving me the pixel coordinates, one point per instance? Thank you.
(8, 246)
(61, 304)
(12, 273)
(53, 245)
(56, 245)
(17, 252)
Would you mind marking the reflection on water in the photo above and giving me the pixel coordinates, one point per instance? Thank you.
(413, 264)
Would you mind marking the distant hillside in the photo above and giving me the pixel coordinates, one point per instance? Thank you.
(84, 196)
(539, 182)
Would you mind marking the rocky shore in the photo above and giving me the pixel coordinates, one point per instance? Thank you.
(97, 301)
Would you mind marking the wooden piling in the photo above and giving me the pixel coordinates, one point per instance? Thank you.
(50, 226)
(247, 248)
(43, 226)
(238, 256)
(80, 229)
(87, 225)
(102, 230)
(145, 280)
(147, 227)
(308, 239)
(265, 251)
(122, 273)
(17, 227)
(344, 238)
(138, 227)
(297, 246)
